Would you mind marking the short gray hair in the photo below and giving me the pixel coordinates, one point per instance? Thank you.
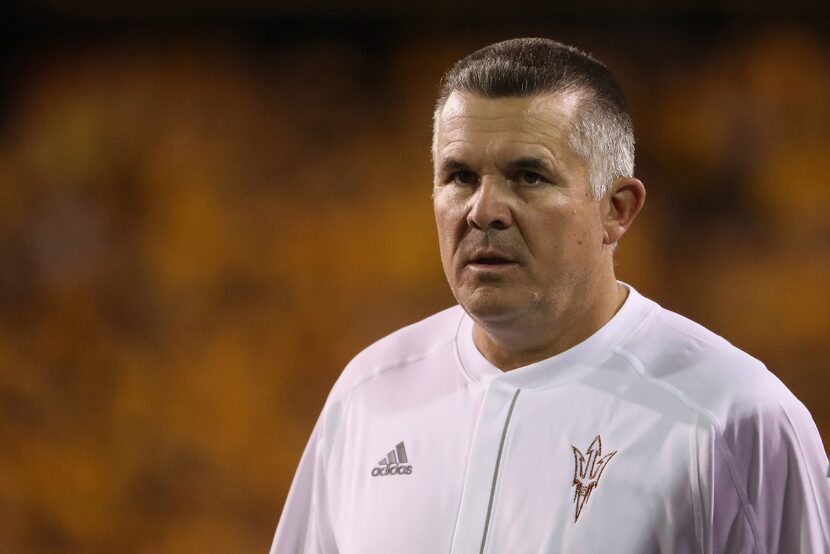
(602, 132)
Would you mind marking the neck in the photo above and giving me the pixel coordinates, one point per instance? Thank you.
(512, 344)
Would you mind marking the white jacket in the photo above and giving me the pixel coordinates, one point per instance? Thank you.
(653, 435)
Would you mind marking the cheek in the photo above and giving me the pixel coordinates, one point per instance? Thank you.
(566, 234)
(583, 235)
(446, 232)
(450, 221)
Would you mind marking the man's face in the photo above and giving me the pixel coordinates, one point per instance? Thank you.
(518, 229)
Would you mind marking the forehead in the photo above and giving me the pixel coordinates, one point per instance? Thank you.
(470, 124)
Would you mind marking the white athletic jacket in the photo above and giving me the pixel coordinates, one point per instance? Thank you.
(653, 435)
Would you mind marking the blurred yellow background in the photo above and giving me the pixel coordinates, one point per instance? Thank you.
(202, 221)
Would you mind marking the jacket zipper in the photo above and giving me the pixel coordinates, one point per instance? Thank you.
(496, 471)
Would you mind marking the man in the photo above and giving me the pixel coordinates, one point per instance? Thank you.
(555, 409)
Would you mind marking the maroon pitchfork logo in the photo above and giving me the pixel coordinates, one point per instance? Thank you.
(587, 471)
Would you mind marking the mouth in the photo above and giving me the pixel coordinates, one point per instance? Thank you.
(488, 261)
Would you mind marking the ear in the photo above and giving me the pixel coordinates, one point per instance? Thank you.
(620, 206)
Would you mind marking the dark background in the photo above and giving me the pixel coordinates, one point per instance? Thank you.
(206, 209)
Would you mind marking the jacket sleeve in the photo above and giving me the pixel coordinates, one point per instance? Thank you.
(305, 525)
(773, 460)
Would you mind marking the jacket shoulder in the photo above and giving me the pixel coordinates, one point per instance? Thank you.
(706, 371)
(399, 349)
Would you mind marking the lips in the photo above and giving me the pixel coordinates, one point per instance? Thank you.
(490, 258)
(490, 261)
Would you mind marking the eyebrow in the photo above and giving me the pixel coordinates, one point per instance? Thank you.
(538, 164)
(525, 163)
(453, 165)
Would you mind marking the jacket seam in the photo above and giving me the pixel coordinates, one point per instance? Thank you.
(398, 364)
(694, 461)
(748, 514)
(824, 526)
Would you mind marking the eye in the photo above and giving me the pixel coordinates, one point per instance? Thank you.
(530, 178)
(463, 178)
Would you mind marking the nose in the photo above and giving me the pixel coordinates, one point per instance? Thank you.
(491, 205)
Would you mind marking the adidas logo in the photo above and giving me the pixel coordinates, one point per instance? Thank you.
(395, 463)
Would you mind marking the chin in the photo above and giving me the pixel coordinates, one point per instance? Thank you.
(491, 306)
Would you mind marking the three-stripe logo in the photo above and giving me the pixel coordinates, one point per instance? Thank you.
(396, 462)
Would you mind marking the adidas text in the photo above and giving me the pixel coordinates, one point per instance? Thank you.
(391, 470)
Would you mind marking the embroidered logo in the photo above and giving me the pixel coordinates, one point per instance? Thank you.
(395, 463)
(588, 469)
